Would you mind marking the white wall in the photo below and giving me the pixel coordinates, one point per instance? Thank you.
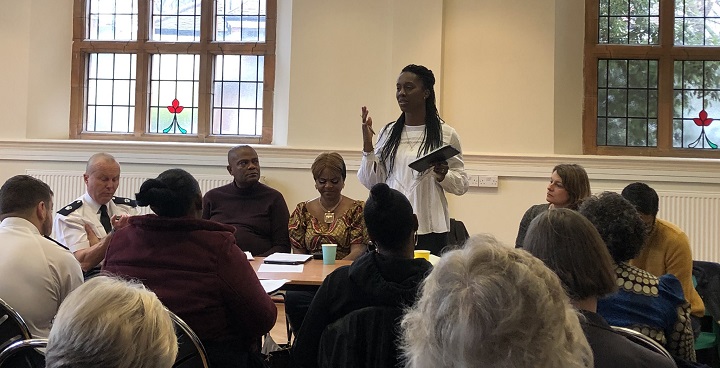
(509, 80)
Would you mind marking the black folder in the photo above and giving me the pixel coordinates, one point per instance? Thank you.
(441, 154)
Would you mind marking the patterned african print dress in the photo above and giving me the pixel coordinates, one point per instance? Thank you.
(309, 234)
(652, 306)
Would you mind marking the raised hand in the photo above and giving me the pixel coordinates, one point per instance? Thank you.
(367, 130)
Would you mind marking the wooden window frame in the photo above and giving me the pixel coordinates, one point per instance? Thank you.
(666, 53)
(144, 48)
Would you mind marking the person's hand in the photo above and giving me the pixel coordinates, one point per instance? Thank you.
(440, 169)
(367, 130)
(119, 222)
(92, 238)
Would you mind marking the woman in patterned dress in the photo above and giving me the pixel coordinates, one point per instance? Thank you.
(331, 218)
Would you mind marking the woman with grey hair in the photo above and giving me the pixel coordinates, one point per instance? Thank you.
(487, 305)
(111, 323)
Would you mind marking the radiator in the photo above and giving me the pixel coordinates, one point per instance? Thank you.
(68, 186)
(698, 214)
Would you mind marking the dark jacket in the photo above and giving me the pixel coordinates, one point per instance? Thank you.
(527, 218)
(611, 350)
(707, 275)
(372, 280)
(199, 273)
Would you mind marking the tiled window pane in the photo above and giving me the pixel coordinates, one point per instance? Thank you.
(627, 103)
(174, 77)
(112, 20)
(634, 22)
(238, 88)
(696, 90)
(176, 20)
(697, 22)
(110, 92)
(240, 21)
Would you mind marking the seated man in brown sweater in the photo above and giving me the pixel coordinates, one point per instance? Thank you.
(258, 213)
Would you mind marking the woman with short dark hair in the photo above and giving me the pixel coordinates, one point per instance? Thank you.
(571, 247)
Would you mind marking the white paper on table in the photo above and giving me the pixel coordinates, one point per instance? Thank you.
(272, 285)
(265, 267)
(249, 256)
(434, 259)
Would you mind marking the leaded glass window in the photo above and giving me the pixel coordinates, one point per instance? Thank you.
(652, 80)
(161, 68)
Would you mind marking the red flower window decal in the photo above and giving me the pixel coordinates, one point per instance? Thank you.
(175, 109)
(702, 121)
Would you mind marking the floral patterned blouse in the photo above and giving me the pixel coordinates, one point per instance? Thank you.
(309, 234)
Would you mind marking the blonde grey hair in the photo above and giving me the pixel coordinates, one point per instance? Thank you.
(487, 305)
(108, 322)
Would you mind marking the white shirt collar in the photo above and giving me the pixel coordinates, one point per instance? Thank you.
(20, 222)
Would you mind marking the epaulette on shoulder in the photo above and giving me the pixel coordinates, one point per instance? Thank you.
(125, 201)
(56, 242)
(70, 208)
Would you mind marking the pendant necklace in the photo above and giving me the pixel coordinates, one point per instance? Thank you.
(412, 143)
(329, 217)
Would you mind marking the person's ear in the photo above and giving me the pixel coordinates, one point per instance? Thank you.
(41, 211)
(229, 169)
(416, 224)
(85, 178)
(427, 93)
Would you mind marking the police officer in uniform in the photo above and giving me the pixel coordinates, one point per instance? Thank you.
(96, 212)
(36, 273)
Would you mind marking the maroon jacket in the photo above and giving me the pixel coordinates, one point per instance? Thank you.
(198, 272)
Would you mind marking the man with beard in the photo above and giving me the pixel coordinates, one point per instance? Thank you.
(36, 273)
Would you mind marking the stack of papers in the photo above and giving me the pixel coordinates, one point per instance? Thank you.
(272, 285)
(287, 258)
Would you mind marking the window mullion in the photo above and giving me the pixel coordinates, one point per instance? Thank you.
(207, 18)
(142, 72)
(666, 76)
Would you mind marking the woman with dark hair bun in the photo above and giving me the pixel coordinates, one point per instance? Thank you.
(195, 268)
(388, 277)
(417, 131)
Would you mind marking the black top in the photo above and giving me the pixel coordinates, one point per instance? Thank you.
(529, 215)
(372, 280)
(611, 350)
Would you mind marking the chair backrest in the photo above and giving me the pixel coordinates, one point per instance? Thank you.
(363, 338)
(12, 326)
(23, 354)
(643, 340)
(191, 353)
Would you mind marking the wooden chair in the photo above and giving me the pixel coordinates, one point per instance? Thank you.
(191, 353)
(23, 354)
(12, 326)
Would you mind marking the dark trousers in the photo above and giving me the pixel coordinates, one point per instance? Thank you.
(297, 304)
(434, 242)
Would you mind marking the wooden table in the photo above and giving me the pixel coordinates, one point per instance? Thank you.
(314, 272)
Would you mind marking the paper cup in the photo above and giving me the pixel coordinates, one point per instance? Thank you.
(329, 252)
(424, 254)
